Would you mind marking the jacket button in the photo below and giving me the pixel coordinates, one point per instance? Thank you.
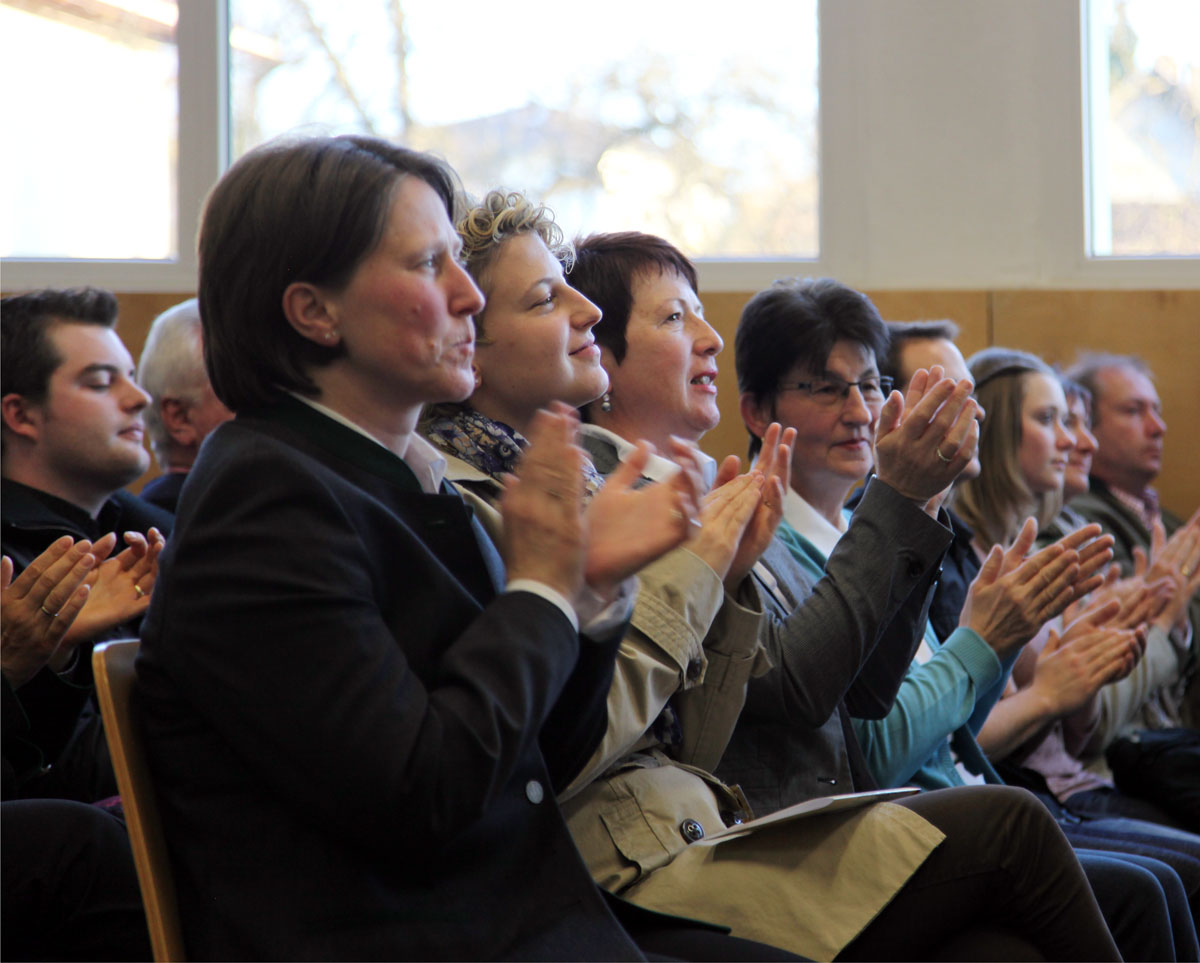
(693, 670)
(692, 831)
(534, 791)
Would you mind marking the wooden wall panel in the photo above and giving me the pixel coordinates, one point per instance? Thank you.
(722, 309)
(970, 310)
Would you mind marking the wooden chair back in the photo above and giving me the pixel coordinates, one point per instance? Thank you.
(112, 665)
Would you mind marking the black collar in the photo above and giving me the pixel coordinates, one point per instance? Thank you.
(31, 508)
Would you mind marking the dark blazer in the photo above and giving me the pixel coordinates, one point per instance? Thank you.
(53, 740)
(343, 717)
(164, 490)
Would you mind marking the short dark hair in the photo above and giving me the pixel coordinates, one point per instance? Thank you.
(27, 355)
(901, 332)
(604, 270)
(309, 209)
(799, 320)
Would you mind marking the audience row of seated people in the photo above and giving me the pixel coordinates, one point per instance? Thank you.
(460, 647)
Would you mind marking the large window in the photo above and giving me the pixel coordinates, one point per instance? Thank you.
(91, 107)
(1143, 110)
(697, 121)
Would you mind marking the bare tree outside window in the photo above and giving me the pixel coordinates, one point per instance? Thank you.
(673, 118)
(93, 87)
(1144, 124)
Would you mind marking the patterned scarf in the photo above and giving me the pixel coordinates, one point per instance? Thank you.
(495, 448)
(490, 446)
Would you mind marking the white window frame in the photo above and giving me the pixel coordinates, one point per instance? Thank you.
(201, 35)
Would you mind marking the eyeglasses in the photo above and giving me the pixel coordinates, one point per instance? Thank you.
(832, 391)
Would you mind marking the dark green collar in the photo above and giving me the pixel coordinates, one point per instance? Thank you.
(341, 441)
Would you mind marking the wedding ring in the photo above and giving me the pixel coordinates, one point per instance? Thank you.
(141, 592)
(1187, 572)
(52, 615)
(938, 450)
(677, 515)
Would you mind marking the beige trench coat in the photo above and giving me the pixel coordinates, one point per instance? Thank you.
(809, 886)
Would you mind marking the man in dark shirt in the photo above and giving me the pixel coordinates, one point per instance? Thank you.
(72, 439)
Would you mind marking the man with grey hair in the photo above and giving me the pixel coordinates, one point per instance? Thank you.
(1140, 725)
(183, 409)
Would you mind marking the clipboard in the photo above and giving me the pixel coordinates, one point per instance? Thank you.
(815, 807)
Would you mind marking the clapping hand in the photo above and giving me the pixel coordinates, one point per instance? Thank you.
(120, 586)
(774, 462)
(542, 505)
(1177, 561)
(1090, 653)
(927, 437)
(629, 526)
(1013, 595)
(39, 606)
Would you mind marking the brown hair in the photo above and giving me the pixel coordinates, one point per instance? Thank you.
(997, 502)
(604, 271)
(292, 210)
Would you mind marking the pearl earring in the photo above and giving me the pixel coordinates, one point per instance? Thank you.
(606, 402)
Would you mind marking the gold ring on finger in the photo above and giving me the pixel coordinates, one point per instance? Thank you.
(938, 452)
(46, 611)
(141, 592)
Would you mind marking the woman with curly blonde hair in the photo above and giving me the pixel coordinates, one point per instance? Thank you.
(534, 340)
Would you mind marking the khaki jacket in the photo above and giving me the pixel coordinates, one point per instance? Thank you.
(642, 825)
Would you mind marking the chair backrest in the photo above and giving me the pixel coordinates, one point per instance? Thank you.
(112, 665)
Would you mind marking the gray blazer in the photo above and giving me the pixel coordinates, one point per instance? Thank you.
(840, 646)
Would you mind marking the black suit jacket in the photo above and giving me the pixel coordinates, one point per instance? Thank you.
(343, 718)
(53, 741)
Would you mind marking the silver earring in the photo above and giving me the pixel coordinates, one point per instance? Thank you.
(328, 335)
(606, 402)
